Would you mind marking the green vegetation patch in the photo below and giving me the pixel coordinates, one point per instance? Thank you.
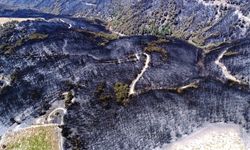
(8, 48)
(121, 92)
(104, 37)
(37, 37)
(38, 138)
(101, 38)
(153, 29)
(154, 47)
(107, 36)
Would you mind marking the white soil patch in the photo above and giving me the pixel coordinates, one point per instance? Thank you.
(212, 137)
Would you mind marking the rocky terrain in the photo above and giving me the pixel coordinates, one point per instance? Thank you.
(162, 81)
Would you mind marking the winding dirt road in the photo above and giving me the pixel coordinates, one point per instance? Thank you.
(132, 85)
(224, 69)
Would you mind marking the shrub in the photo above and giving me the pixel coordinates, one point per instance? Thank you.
(68, 98)
(165, 30)
(11, 24)
(35, 94)
(100, 89)
(7, 48)
(15, 75)
(105, 98)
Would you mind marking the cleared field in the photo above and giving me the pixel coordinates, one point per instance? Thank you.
(4, 20)
(33, 138)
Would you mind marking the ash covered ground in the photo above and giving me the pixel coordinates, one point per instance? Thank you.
(197, 71)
